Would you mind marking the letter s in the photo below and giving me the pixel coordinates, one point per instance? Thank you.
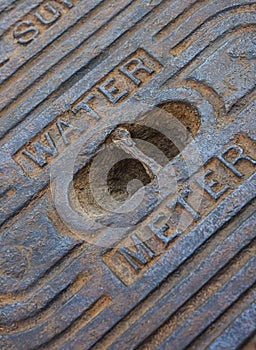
(25, 32)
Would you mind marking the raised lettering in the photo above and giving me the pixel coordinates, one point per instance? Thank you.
(208, 187)
(60, 123)
(51, 9)
(84, 105)
(67, 3)
(131, 73)
(159, 226)
(135, 259)
(25, 32)
(231, 164)
(40, 149)
(187, 207)
(110, 91)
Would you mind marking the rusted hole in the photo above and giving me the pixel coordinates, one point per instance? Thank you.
(122, 179)
(185, 112)
(123, 174)
(126, 177)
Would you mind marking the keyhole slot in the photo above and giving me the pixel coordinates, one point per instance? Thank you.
(129, 174)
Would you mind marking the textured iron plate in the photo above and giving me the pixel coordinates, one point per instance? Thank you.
(178, 270)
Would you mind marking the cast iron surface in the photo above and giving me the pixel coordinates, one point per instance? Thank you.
(71, 73)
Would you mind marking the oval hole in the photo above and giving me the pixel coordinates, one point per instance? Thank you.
(131, 172)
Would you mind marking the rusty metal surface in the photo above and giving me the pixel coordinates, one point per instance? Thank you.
(128, 174)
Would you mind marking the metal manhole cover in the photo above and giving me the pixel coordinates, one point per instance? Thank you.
(128, 174)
